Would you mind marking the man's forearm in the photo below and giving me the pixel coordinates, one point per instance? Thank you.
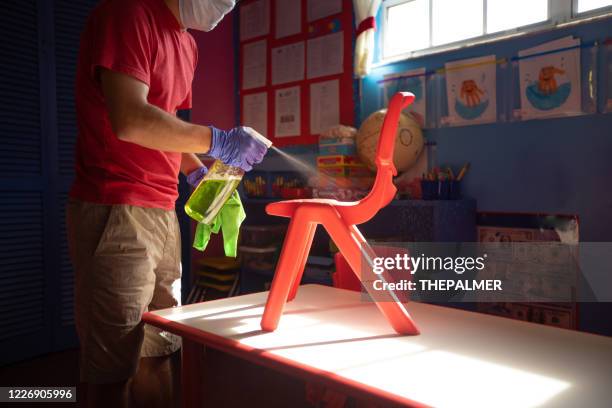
(189, 163)
(154, 128)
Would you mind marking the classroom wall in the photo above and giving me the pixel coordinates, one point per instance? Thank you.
(214, 84)
(554, 166)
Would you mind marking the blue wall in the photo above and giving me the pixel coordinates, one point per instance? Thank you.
(555, 166)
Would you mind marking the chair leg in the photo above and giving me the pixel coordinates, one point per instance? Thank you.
(286, 271)
(302, 261)
(350, 241)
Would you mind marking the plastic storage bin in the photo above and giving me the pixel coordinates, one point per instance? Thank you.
(262, 235)
(258, 260)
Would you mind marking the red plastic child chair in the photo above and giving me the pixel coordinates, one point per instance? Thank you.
(340, 220)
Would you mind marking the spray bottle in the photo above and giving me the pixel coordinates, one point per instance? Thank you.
(217, 187)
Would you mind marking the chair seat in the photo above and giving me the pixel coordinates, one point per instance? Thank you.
(287, 208)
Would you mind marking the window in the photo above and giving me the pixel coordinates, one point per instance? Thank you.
(454, 20)
(416, 27)
(589, 5)
(505, 15)
(413, 36)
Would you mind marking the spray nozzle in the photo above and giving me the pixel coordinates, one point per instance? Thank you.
(258, 136)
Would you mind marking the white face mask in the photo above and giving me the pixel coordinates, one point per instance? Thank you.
(204, 15)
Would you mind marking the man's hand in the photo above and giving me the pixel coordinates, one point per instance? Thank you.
(237, 147)
(195, 177)
(193, 169)
(135, 120)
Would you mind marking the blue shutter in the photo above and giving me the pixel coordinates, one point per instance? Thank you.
(20, 154)
(21, 266)
(23, 325)
(66, 274)
(38, 53)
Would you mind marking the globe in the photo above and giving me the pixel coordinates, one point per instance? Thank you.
(408, 141)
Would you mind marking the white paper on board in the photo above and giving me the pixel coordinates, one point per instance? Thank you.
(288, 63)
(255, 112)
(412, 81)
(254, 19)
(322, 8)
(288, 18)
(325, 55)
(471, 90)
(254, 65)
(550, 84)
(287, 112)
(324, 106)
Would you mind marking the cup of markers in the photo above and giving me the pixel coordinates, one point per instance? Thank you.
(442, 184)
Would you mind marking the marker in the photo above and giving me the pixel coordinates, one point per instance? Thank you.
(464, 169)
(451, 175)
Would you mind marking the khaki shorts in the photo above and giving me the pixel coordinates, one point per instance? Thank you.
(126, 261)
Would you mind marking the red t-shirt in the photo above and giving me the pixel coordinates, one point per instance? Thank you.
(143, 39)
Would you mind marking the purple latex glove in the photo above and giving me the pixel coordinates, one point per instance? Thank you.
(196, 176)
(236, 147)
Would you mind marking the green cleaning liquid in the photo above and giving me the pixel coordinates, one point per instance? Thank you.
(204, 205)
(217, 187)
(213, 192)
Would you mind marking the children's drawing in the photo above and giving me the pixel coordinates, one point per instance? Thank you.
(544, 94)
(470, 92)
(468, 105)
(470, 89)
(550, 83)
(411, 81)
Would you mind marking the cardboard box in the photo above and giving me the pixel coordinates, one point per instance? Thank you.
(344, 171)
(338, 160)
(337, 149)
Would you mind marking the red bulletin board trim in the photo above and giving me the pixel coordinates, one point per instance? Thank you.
(319, 28)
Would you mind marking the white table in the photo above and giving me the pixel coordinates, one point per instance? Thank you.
(461, 359)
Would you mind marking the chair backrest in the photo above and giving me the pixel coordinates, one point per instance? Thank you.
(383, 190)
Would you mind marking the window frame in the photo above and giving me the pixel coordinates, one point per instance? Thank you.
(559, 12)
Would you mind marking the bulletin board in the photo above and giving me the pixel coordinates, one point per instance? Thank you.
(268, 89)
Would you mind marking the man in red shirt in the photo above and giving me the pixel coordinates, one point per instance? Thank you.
(135, 69)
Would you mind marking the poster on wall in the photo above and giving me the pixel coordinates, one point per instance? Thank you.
(324, 106)
(254, 65)
(470, 91)
(519, 284)
(550, 83)
(317, 9)
(287, 118)
(411, 81)
(325, 55)
(254, 19)
(255, 112)
(288, 63)
(288, 18)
